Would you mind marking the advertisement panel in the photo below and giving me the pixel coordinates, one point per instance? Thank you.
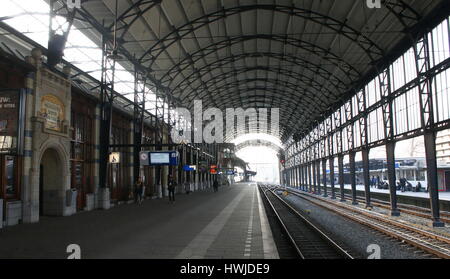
(12, 109)
(52, 109)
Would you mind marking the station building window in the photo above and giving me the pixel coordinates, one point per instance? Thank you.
(12, 76)
(82, 148)
(119, 174)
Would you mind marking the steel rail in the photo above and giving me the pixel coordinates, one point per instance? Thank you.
(329, 242)
(427, 241)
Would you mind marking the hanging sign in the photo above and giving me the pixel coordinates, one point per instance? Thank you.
(189, 168)
(114, 158)
(213, 169)
(159, 158)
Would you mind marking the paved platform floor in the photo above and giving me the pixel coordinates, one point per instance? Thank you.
(230, 224)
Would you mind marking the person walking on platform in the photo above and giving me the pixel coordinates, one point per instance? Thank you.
(216, 185)
(187, 187)
(138, 191)
(418, 188)
(403, 184)
(171, 187)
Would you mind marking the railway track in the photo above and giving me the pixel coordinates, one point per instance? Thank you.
(427, 241)
(308, 240)
(404, 208)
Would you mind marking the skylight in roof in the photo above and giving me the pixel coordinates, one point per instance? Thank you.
(31, 17)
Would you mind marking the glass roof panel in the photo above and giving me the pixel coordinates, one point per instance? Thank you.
(31, 17)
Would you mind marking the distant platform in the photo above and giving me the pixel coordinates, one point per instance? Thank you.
(412, 198)
(445, 196)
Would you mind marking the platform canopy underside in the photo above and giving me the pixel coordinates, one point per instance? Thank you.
(305, 57)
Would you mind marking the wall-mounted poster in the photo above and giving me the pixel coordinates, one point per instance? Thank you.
(12, 106)
(52, 109)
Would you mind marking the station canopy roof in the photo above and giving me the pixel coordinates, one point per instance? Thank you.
(305, 57)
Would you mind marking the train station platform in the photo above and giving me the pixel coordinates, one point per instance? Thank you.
(230, 224)
(443, 196)
(411, 198)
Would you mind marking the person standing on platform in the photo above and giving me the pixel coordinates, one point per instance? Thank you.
(403, 184)
(138, 191)
(171, 187)
(216, 185)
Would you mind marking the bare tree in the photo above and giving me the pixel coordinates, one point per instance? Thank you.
(416, 147)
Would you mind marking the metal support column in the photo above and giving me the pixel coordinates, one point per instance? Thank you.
(304, 183)
(294, 170)
(364, 137)
(107, 96)
(306, 169)
(138, 121)
(341, 176)
(319, 178)
(296, 177)
(287, 177)
(324, 174)
(330, 142)
(432, 177)
(314, 174)
(292, 177)
(423, 65)
(353, 177)
(306, 172)
(333, 191)
(388, 123)
(390, 156)
(339, 149)
(366, 173)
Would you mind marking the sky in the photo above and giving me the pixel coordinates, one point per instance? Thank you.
(264, 161)
(261, 159)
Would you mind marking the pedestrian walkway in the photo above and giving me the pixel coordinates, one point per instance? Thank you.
(230, 224)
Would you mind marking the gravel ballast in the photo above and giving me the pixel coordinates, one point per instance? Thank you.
(355, 236)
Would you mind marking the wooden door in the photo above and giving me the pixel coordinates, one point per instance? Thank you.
(79, 183)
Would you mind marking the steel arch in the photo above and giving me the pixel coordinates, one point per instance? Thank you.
(231, 59)
(368, 46)
(280, 71)
(275, 82)
(190, 60)
(259, 142)
(285, 101)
